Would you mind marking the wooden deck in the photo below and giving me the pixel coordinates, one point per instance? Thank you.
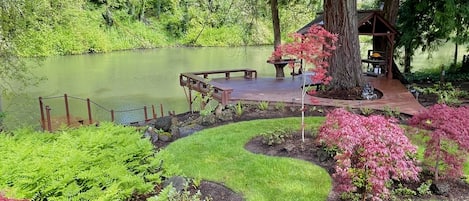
(288, 90)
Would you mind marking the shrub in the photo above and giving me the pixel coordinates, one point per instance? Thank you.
(449, 138)
(371, 152)
(90, 163)
(263, 105)
(276, 136)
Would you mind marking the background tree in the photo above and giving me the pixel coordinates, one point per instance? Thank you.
(427, 24)
(340, 17)
(275, 23)
(14, 75)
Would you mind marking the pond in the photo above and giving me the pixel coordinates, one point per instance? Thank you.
(127, 80)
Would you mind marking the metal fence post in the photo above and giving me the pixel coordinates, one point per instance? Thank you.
(43, 120)
(89, 110)
(49, 124)
(67, 111)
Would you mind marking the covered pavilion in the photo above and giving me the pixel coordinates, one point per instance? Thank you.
(371, 23)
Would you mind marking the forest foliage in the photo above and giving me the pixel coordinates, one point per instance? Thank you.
(49, 27)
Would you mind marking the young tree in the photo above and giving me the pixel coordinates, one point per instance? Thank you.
(428, 23)
(448, 146)
(275, 23)
(314, 48)
(340, 17)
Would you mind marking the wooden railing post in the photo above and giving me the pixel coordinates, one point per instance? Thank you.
(145, 112)
(161, 109)
(153, 111)
(112, 115)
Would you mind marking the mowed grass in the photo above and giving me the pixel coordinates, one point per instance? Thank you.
(218, 154)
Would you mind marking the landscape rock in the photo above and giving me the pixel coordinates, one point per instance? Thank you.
(207, 120)
(226, 115)
(440, 188)
(178, 182)
(163, 123)
(189, 130)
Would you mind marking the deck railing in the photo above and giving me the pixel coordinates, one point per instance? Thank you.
(70, 120)
(200, 82)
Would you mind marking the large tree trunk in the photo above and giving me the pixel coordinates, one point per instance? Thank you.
(407, 58)
(276, 23)
(340, 17)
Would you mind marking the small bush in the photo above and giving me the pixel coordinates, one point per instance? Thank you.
(276, 136)
(371, 151)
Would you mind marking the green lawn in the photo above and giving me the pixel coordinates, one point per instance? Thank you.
(218, 154)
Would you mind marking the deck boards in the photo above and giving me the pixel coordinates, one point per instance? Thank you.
(288, 90)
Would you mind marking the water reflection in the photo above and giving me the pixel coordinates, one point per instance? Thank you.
(127, 79)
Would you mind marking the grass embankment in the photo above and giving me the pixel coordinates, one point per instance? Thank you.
(218, 154)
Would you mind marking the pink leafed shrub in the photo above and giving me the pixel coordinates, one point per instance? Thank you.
(449, 138)
(313, 48)
(370, 151)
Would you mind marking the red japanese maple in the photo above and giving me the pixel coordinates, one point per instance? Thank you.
(314, 48)
(370, 151)
(449, 138)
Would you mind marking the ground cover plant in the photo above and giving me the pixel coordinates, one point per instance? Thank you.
(108, 162)
(218, 154)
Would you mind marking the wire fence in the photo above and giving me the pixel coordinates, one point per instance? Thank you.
(83, 111)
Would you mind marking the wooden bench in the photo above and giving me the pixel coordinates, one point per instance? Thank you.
(247, 73)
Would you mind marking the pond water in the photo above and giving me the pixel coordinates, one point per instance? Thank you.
(133, 79)
(127, 80)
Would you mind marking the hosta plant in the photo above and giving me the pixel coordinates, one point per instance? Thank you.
(449, 138)
(370, 153)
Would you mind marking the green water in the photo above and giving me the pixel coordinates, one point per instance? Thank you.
(133, 79)
(126, 80)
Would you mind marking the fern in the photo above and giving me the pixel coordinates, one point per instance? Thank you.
(90, 163)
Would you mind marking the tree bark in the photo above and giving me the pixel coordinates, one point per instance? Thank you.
(276, 23)
(340, 17)
(407, 58)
